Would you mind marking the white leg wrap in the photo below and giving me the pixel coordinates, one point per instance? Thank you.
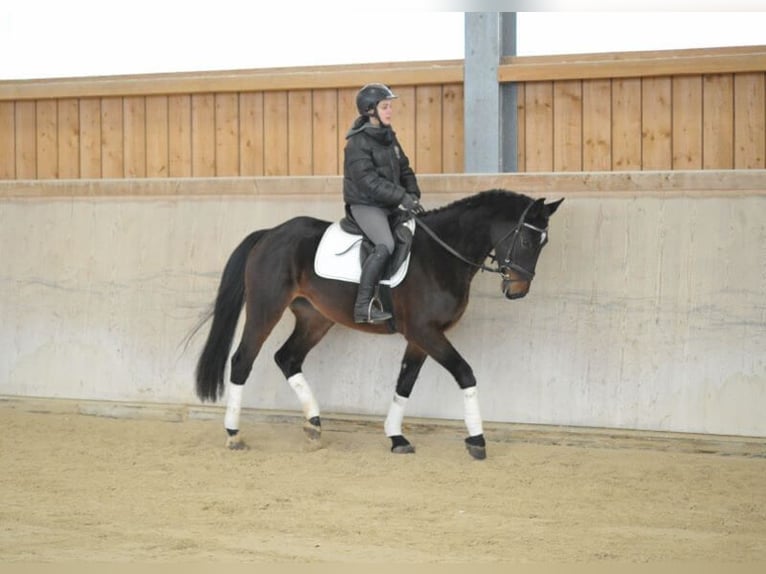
(305, 396)
(472, 413)
(393, 424)
(233, 407)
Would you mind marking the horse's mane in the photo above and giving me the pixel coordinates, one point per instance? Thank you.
(491, 197)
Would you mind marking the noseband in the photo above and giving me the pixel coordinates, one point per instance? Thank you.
(503, 269)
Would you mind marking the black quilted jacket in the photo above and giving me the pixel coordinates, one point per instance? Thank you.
(376, 170)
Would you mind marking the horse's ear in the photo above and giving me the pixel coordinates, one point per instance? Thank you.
(552, 207)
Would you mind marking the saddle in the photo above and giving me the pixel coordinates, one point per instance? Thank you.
(343, 249)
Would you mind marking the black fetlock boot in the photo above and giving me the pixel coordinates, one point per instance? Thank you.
(365, 308)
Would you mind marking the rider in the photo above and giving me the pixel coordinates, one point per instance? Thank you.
(377, 181)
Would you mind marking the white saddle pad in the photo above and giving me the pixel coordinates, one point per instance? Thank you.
(337, 257)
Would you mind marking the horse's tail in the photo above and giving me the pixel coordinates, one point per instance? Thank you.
(225, 313)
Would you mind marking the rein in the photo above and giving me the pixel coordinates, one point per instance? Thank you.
(450, 250)
(481, 266)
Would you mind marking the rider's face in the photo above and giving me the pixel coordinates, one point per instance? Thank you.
(385, 112)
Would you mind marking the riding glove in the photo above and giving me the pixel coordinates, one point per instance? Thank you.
(411, 205)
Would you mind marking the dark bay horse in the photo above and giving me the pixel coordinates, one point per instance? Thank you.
(273, 269)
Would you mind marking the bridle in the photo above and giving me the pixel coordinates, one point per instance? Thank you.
(508, 264)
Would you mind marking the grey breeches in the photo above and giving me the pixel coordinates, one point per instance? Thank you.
(374, 222)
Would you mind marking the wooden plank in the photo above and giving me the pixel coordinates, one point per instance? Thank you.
(112, 138)
(626, 124)
(567, 126)
(750, 121)
(227, 134)
(347, 113)
(632, 64)
(157, 132)
(718, 122)
(657, 123)
(179, 136)
(428, 130)
(299, 132)
(687, 122)
(275, 150)
(521, 128)
(324, 131)
(267, 79)
(26, 140)
(134, 113)
(251, 133)
(90, 138)
(636, 184)
(7, 140)
(597, 125)
(47, 139)
(203, 135)
(405, 122)
(453, 135)
(539, 126)
(69, 138)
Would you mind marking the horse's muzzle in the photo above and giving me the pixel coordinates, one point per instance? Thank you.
(515, 287)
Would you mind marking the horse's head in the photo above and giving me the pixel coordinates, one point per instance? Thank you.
(517, 250)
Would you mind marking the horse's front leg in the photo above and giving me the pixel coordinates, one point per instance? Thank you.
(413, 360)
(436, 344)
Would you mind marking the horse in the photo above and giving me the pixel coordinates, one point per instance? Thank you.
(273, 269)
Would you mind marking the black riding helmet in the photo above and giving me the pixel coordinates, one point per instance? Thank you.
(368, 98)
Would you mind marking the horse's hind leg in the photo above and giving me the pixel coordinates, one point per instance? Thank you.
(413, 360)
(310, 327)
(260, 320)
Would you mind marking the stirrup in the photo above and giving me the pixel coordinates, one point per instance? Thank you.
(375, 313)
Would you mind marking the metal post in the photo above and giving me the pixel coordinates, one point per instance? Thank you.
(489, 111)
(508, 98)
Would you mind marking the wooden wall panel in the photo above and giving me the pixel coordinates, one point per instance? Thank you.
(112, 138)
(718, 122)
(26, 140)
(404, 122)
(69, 138)
(626, 124)
(134, 110)
(687, 122)
(324, 132)
(275, 150)
(697, 109)
(539, 126)
(226, 134)
(47, 139)
(299, 132)
(597, 125)
(203, 135)
(750, 121)
(347, 113)
(90, 138)
(567, 126)
(157, 136)
(179, 136)
(453, 135)
(657, 123)
(7, 140)
(251, 145)
(521, 128)
(428, 131)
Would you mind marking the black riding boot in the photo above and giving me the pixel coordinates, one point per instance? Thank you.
(365, 309)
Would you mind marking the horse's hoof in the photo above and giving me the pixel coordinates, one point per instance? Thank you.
(312, 428)
(400, 445)
(476, 446)
(236, 443)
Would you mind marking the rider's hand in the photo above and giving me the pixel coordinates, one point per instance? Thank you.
(411, 204)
